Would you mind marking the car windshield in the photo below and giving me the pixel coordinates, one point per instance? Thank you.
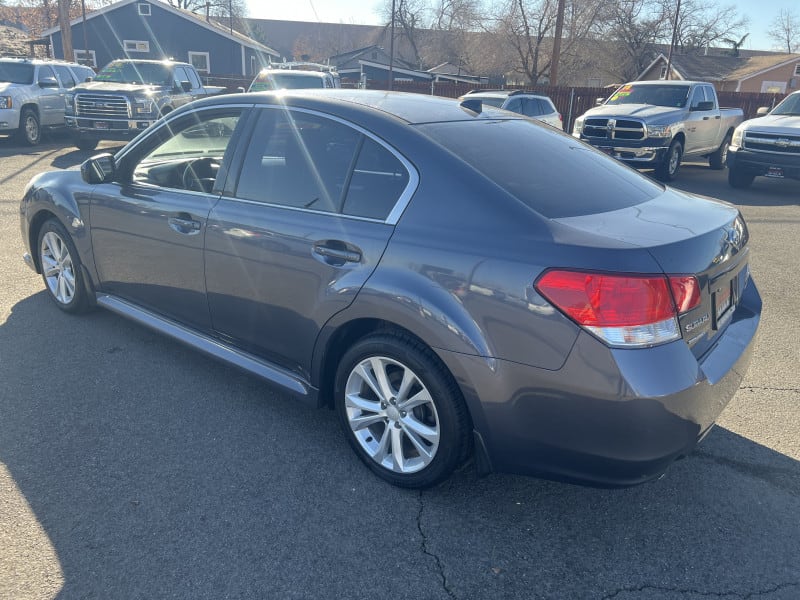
(657, 95)
(128, 72)
(280, 81)
(12, 72)
(789, 106)
(533, 162)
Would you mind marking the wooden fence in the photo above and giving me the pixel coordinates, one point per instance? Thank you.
(571, 102)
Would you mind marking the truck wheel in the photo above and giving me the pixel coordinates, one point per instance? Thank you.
(740, 179)
(30, 132)
(668, 170)
(86, 144)
(717, 160)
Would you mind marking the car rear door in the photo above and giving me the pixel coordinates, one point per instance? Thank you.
(299, 231)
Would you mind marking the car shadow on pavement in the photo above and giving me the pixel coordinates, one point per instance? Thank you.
(765, 191)
(150, 471)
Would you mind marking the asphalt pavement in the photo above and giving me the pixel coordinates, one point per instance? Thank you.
(132, 467)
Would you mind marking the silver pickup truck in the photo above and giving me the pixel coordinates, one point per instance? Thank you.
(655, 124)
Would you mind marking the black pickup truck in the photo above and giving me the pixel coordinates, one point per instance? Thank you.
(127, 96)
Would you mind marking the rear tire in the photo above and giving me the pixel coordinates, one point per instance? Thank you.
(401, 411)
(668, 170)
(740, 179)
(30, 131)
(717, 160)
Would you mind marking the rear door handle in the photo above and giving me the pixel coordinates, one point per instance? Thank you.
(337, 255)
(184, 224)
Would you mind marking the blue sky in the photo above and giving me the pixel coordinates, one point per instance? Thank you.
(365, 12)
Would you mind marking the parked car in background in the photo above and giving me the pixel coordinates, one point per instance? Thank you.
(32, 95)
(372, 251)
(128, 96)
(767, 146)
(293, 76)
(522, 102)
(655, 124)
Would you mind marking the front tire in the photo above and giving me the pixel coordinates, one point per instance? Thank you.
(740, 179)
(86, 144)
(30, 131)
(668, 170)
(401, 411)
(61, 268)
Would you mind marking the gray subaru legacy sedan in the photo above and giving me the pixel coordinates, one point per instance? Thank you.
(455, 281)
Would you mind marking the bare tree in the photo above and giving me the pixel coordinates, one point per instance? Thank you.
(703, 23)
(216, 8)
(410, 17)
(785, 31)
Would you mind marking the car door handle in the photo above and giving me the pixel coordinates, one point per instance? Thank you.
(337, 256)
(184, 225)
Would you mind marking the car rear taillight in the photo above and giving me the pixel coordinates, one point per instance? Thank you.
(622, 309)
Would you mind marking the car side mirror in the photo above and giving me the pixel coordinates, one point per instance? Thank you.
(88, 79)
(48, 82)
(186, 86)
(762, 110)
(99, 169)
(599, 101)
(703, 106)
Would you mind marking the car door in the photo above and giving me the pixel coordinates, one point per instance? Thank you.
(182, 93)
(50, 98)
(68, 82)
(701, 124)
(148, 227)
(299, 231)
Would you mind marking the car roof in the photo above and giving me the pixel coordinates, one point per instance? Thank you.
(411, 108)
(291, 72)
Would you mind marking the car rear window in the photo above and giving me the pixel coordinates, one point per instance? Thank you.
(553, 173)
(16, 73)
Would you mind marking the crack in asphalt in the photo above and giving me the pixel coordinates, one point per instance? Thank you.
(427, 552)
(769, 389)
(742, 595)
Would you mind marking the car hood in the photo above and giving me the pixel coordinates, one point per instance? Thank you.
(779, 124)
(641, 111)
(121, 88)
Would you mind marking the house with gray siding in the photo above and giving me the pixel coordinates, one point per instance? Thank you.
(155, 30)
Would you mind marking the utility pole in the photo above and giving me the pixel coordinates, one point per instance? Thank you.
(391, 51)
(66, 30)
(674, 41)
(557, 43)
(86, 60)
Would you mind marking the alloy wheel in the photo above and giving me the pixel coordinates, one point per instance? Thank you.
(58, 268)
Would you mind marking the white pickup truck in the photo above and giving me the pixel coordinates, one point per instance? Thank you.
(767, 146)
(655, 124)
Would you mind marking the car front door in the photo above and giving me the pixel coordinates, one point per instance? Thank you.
(51, 98)
(149, 225)
(701, 123)
(304, 226)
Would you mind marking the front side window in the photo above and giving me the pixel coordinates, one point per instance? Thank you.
(306, 161)
(45, 72)
(187, 153)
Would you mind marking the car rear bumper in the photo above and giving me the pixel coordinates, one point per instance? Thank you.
(608, 417)
(760, 163)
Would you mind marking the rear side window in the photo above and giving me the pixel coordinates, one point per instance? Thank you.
(551, 172)
(306, 161)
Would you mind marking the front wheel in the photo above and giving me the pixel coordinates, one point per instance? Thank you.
(61, 268)
(740, 179)
(668, 169)
(30, 131)
(401, 411)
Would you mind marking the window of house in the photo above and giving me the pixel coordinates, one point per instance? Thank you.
(663, 74)
(84, 59)
(136, 45)
(200, 61)
(797, 69)
(144, 9)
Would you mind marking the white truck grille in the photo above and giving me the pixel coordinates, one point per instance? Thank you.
(102, 106)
